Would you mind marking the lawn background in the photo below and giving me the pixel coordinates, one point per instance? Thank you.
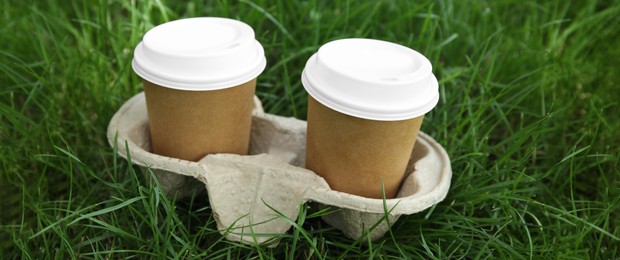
(529, 113)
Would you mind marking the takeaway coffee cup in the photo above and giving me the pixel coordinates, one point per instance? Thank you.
(199, 78)
(367, 99)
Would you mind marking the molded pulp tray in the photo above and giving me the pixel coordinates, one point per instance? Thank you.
(246, 191)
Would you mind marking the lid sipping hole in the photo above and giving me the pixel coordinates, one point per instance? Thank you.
(389, 79)
(232, 46)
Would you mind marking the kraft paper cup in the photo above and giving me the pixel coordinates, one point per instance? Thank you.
(199, 78)
(367, 99)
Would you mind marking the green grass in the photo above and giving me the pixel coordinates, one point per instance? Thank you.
(529, 113)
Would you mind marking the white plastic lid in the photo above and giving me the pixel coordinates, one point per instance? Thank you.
(205, 53)
(371, 79)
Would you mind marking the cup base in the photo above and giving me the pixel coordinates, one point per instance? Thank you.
(357, 155)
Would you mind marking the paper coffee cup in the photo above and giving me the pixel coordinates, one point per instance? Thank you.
(367, 100)
(199, 78)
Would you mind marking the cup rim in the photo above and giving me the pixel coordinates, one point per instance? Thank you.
(219, 69)
(363, 97)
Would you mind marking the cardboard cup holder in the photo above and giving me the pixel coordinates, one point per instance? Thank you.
(250, 195)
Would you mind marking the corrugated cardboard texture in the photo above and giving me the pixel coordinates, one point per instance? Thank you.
(191, 124)
(354, 154)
